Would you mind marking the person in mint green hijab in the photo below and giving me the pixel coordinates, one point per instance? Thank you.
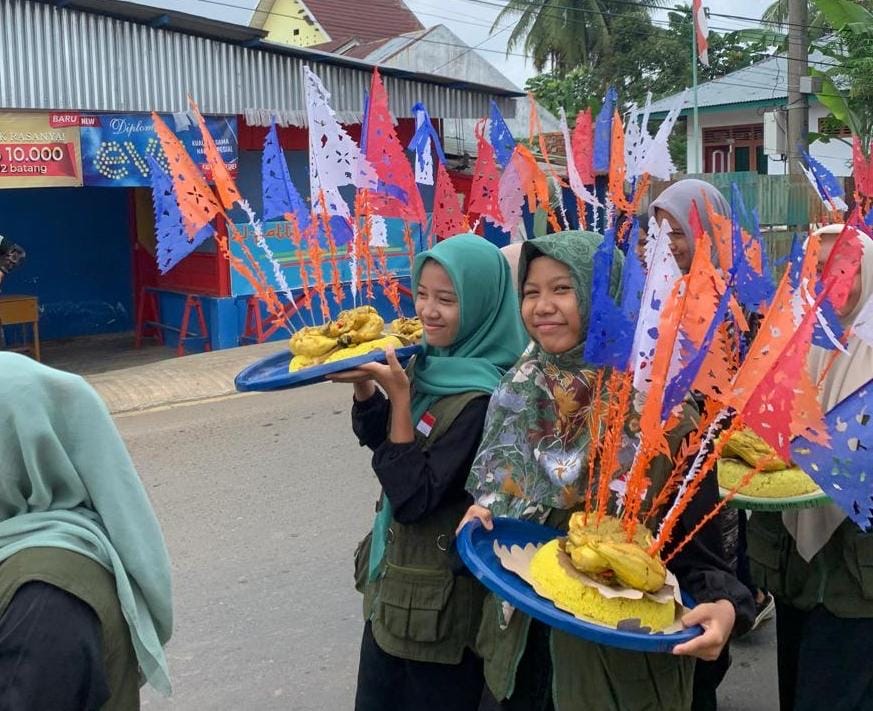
(420, 606)
(85, 598)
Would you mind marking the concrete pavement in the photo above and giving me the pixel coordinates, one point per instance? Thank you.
(173, 381)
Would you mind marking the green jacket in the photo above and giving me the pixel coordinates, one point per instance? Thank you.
(423, 605)
(840, 575)
(93, 584)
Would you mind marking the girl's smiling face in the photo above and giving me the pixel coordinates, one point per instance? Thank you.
(549, 307)
(436, 304)
(680, 243)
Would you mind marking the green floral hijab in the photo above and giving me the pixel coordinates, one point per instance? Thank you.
(534, 452)
(67, 481)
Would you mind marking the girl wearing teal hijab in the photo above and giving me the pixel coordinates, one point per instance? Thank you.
(85, 600)
(420, 606)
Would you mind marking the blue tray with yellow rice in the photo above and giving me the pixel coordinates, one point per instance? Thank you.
(272, 372)
(476, 548)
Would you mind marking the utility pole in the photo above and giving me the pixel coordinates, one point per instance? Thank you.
(798, 106)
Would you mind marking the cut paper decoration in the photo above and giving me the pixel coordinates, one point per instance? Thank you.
(656, 160)
(863, 169)
(485, 188)
(843, 470)
(825, 184)
(397, 193)
(195, 198)
(424, 139)
(280, 196)
(448, 218)
(583, 146)
(610, 334)
(577, 182)
(173, 243)
(378, 231)
(501, 137)
(224, 182)
(334, 158)
(511, 197)
(753, 287)
(841, 267)
(603, 132)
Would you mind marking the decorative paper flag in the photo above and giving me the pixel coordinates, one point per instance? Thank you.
(173, 242)
(754, 288)
(334, 158)
(280, 197)
(448, 218)
(583, 146)
(511, 197)
(425, 137)
(863, 169)
(842, 265)
(485, 190)
(701, 31)
(844, 470)
(397, 193)
(662, 276)
(224, 182)
(610, 335)
(603, 132)
(500, 136)
(633, 282)
(824, 183)
(657, 161)
(195, 198)
(378, 231)
(577, 183)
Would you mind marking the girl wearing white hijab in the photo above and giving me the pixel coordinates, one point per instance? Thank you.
(818, 564)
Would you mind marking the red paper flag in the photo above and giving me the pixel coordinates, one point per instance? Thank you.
(485, 190)
(583, 146)
(448, 217)
(863, 169)
(398, 194)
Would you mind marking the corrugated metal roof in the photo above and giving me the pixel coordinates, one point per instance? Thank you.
(766, 80)
(67, 59)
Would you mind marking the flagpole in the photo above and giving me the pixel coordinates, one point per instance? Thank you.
(696, 121)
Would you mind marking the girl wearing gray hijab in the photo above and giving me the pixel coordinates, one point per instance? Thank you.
(674, 205)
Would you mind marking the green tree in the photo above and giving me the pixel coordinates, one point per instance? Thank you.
(776, 15)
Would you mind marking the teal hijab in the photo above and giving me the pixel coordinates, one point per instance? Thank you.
(490, 339)
(490, 336)
(67, 481)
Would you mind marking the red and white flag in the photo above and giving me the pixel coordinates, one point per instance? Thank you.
(701, 29)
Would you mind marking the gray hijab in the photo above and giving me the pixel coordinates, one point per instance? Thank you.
(677, 199)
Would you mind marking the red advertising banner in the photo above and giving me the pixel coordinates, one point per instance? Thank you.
(39, 150)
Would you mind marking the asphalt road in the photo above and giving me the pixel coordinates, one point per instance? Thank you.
(262, 500)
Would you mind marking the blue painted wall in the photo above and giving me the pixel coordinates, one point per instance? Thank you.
(78, 257)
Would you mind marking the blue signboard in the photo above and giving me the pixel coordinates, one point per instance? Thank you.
(278, 236)
(115, 147)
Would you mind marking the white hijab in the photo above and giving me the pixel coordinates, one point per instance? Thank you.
(812, 528)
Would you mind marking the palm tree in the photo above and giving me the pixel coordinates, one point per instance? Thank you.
(776, 15)
(558, 34)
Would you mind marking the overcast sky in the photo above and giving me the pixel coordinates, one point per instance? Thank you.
(471, 20)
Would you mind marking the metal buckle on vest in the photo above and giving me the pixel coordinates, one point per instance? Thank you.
(390, 535)
(442, 542)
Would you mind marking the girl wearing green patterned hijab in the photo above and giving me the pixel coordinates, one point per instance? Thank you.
(85, 592)
(536, 436)
(421, 607)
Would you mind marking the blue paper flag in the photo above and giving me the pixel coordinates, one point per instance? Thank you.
(501, 137)
(603, 132)
(173, 243)
(869, 219)
(418, 144)
(845, 470)
(795, 261)
(829, 187)
(752, 289)
(280, 195)
(677, 389)
(633, 281)
(610, 336)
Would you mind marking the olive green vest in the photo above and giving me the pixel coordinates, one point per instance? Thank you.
(588, 676)
(94, 585)
(423, 605)
(840, 575)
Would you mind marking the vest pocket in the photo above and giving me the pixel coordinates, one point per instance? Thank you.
(412, 602)
(768, 551)
(860, 563)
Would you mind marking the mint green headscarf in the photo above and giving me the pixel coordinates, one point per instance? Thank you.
(67, 481)
(490, 339)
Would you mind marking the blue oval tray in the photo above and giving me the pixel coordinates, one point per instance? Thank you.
(476, 547)
(272, 372)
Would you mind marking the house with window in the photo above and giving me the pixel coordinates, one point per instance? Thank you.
(733, 110)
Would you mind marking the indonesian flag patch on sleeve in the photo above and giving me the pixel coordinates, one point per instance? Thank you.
(425, 424)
